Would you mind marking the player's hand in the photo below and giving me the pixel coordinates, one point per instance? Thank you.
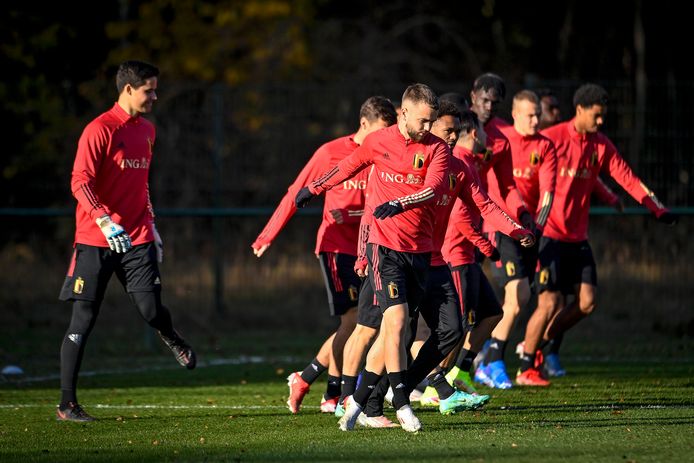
(528, 241)
(668, 218)
(338, 215)
(303, 197)
(116, 237)
(158, 244)
(259, 251)
(361, 268)
(495, 257)
(389, 209)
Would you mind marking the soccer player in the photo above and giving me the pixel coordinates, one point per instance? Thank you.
(566, 260)
(534, 172)
(440, 306)
(410, 166)
(336, 247)
(480, 308)
(115, 230)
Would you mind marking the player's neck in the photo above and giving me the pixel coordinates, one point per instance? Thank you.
(125, 106)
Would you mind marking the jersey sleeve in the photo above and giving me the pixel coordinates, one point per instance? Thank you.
(91, 149)
(363, 238)
(287, 207)
(503, 169)
(464, 222)
(472, 195)
(346, 168)
(547, 178)
(604, 193)
(622, 173)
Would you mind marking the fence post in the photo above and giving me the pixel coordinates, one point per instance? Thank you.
(217, 225)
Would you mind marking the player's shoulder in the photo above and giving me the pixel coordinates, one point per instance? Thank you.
(557, 132)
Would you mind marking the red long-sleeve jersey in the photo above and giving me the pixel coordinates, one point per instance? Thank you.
(348, 197)
(411, 172)
(605, 194)
(462, 229)
(580, 158)
(110, 176)
(534, 172)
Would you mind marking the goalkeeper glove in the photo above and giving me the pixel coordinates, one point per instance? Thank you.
(116, 237)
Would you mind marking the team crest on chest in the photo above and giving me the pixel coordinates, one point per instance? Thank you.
(487, 156)
(534, 158)
(594, 158)
(418, 161)
(452, 182)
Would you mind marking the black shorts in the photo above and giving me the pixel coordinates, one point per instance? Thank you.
(369, 313)
(516, 261)
(440, 305)
(565, 265)
(341, 281)
(91, 268)
(477, 298)
(397, 277)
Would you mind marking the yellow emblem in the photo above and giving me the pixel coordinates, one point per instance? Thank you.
(510, 269)
(452, 181)
(418, 162)
(594, 158)
(534, 158)
(353, 293)
(79, 286)
(393, 290)
(544, 276)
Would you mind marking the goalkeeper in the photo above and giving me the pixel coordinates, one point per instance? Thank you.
(115, 230)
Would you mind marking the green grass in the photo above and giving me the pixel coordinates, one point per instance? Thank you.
(604, 411)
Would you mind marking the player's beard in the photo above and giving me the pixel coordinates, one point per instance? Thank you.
(414, 135)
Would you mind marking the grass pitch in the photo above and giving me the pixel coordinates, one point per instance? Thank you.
(603, 411)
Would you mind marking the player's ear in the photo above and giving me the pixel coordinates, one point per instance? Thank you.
(364, 123)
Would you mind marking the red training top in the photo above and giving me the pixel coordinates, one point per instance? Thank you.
(110, 176)
(411, 172)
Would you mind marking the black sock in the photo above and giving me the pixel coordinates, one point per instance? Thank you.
(438, 381)
(84, 314)
(374, 406)
(497, 350)
(312, 371)
(465, 359)
(68, 395)
(367, 385)
(349, 385)
(398, 381)
(527, 361)
(334, 388)
(555, 344)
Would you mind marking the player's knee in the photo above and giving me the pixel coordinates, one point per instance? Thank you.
(587, 307)
(84, 315)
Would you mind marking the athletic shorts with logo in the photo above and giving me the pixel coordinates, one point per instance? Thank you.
(397, 277)
(341, 282)
(516, 261)
(477, 298)
(440, 305)
(91, 268)
(368, 312)
(565, 265)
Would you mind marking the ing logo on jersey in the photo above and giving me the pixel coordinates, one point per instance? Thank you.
(594, 158)
(452, 182)
(393, 290)
(544, 276)
(487, 156)
(418, 161)
(79, 286)
(510, 269)
(534, 158)
(353, 293)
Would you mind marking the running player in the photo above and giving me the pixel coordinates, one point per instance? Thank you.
(336, 248)
(410, 166)
(534, 172)
(566, 260)
(115, 230)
